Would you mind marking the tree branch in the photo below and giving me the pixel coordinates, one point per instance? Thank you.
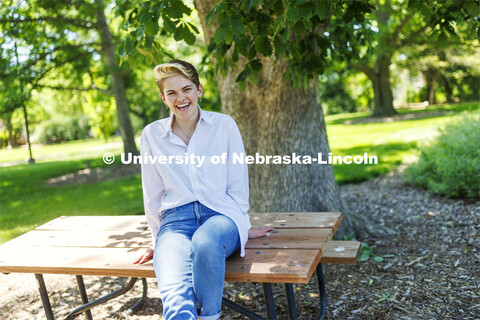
(76, 22)
(370, 72)
(92, 87)
(411, 37)
(399, 29)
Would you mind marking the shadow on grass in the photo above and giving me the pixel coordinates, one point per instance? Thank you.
(435, 111)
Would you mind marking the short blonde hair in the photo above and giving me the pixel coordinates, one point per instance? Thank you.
(173, 68)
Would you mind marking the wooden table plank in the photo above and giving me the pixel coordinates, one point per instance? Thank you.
(282, 239)
(341, 252)
(90, 238)
(273, 265)
(293, 239)
(270, 265)
(119, 223)
(280, 220)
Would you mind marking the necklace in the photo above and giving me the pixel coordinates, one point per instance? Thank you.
(186, 135)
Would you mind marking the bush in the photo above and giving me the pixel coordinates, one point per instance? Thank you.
(65, 129)
(451, 164)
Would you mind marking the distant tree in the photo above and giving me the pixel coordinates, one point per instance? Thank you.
(397, 25)
(52, 34)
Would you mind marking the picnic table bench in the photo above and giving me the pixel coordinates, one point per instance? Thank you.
(107, 246)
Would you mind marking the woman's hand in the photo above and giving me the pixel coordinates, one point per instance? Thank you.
(147, 256)
(259, 232)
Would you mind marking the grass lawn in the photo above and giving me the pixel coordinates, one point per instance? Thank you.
(26, 201)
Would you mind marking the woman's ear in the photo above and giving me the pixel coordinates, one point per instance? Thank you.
(163, 98)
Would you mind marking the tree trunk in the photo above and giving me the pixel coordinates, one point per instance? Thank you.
(431, 79)
(275, 119)
(117, 82)
(12, 137)
(382, 91)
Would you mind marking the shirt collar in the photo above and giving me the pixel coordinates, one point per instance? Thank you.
(203, 116)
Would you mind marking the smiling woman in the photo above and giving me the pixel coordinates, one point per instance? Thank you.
(198, 215)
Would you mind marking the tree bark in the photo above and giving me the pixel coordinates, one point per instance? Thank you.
(12, 137)
(431, 79)
(117, 82)
(275, 119)
(382, 92)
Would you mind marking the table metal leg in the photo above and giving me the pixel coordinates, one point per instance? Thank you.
(292, 305)
(101, 300)
(235, 306)
(83, 294)
(268, 293)
(322, 291)
(141, 301)
(44, 295)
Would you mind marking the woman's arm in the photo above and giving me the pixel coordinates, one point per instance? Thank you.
(153, 190)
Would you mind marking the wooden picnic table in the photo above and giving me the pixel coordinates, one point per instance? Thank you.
(107, 246)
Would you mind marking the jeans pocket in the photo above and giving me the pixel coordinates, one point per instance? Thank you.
(166, 212)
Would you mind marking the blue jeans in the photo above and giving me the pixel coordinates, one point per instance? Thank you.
(189, 260)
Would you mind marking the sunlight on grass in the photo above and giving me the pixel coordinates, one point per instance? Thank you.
(71, 150)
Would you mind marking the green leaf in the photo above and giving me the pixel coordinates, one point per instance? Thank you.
(442, 40)
(140, 31)
(378, 259)
(193, 27)
(237, 24)
(151, 27)
(278, 24)
(211, 15)
(220, 33)
(323, 9)
(279, 45)
(179, 32)
(293, 14)
(299, 27)
(176, 9)
(228, 36)
(129, 47)
(121, 49)
(250, 4)
(286, 35)
(278, 8)
(243, 75)
(256, 65)
(188, 36)
(148, 41)
(168, 24)
(262, 45)
(306, 11)
(212, 46)
(145, 13)
(254, 78)
(472, 8)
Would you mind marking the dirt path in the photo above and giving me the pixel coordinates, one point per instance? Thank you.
(431, 269)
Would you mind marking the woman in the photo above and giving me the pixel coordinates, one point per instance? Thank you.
(197, 210)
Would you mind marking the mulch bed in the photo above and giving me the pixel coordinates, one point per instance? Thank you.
(431, 268)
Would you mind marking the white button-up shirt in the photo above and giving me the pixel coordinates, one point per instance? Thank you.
(177, 178)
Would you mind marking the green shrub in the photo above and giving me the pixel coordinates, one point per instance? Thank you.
(451, 164)
(62, 129)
